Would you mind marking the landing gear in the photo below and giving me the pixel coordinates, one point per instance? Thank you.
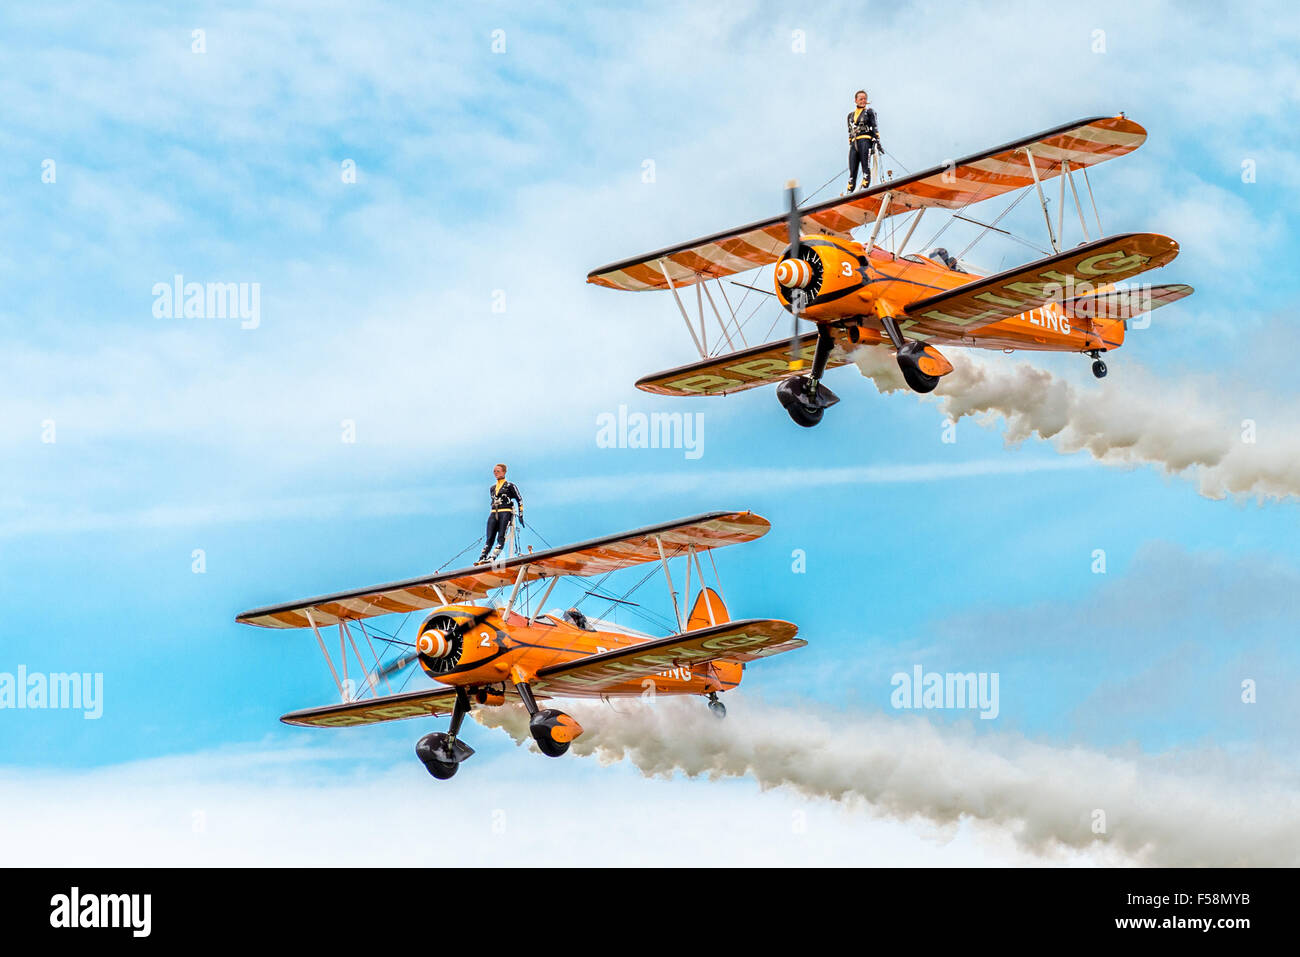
(804, 400)
(441, 753)
(917, 380)
(1098, 367)
(914, 358)
(553, 730)
(804, 397)
(717, 707)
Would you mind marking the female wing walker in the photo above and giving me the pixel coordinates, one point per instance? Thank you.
(484, 653)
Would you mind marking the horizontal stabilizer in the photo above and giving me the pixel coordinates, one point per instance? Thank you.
(1126, 303)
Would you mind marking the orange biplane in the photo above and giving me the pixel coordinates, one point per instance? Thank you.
(860, 294)
(483, 652)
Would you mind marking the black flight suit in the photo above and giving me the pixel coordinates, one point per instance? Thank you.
(864, 136)
(503, 496)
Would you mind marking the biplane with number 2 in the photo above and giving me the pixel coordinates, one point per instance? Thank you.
(486, 653)
(859, 294)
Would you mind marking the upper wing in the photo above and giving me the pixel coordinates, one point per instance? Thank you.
(711, 530)
(733, 641)
(1126, 303)
(412, 704)
(1019, 290)
(736, 371)
(953, 185)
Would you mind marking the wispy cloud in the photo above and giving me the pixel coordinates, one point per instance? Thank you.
(26, 518)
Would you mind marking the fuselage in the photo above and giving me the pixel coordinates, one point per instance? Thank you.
(853, 288)
(500, 647)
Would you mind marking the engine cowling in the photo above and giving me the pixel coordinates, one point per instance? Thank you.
(455, 637)
(828, 270)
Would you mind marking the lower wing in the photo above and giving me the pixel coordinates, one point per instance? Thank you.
(1094, 265)
(737, 371)
(411, 704)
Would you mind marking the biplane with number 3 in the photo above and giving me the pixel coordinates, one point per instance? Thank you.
(486, 653)
(859, 294)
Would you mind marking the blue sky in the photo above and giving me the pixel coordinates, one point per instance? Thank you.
(517, 172)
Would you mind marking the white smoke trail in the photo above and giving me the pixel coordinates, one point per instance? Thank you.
(1117, 425)
(1049, 797)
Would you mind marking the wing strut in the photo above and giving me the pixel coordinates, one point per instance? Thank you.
(1092, 199)
(1042, 199)
(545, 595)
(523, 570)
(916, 221)
(343, 653)
(328, 660)
(880, 217)
(682, 309)
(663, 560)
(735, 319)
(379, 665)
(721, 325)
(1078, 206)
(686, 592)
(704, 589)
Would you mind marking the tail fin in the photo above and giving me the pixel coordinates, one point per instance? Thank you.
(706, 602)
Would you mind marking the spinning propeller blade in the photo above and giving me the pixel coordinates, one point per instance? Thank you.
(396, 665)
(794, 226)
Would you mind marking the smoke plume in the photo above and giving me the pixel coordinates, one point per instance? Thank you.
(1050, 798)
(1116, 424)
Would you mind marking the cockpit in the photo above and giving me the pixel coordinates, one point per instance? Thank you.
(940, 255)
(578, 620)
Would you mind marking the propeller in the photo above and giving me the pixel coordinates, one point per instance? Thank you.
(793, 227)
(396, 665)
(438, 643)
